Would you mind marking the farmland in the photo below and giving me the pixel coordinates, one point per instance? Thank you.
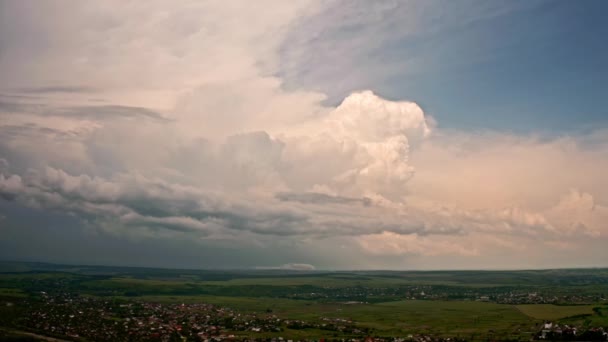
(467, 305)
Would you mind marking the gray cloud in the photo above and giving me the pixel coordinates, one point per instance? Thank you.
(31, 129)
(137, 201)
(13, 106)
(101, 112)
(57, 89)
(320, 198)
(108, 111)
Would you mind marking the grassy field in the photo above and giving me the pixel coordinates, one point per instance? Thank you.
(575, 315)
(598, 318)
(554, 312)
(447, 318)
(12, 293)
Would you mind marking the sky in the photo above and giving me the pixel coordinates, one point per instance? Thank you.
(305, 134)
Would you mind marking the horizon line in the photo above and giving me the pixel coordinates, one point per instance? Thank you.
(321, 270)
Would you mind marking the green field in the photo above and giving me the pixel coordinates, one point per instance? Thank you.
(555, 312)
(12, 293)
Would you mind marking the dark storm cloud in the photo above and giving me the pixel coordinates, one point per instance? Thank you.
(135, 201)
(39, 234)
(142, 202)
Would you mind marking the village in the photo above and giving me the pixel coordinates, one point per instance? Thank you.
(98, 319)
(505, 295)
(552, 331)
(76, 317)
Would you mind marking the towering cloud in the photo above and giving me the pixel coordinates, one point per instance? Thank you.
(174, 125)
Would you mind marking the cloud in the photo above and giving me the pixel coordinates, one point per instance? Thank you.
(78, 112)
(577, 213)
(129, 200)
(509, 170)
(388, 243)
(56, 89)
(136, 56)
(367, 117)
(312, 181)
(203, 140)
(320, 198)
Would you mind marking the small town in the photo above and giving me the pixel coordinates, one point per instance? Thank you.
(91, 318)
(83, 318)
